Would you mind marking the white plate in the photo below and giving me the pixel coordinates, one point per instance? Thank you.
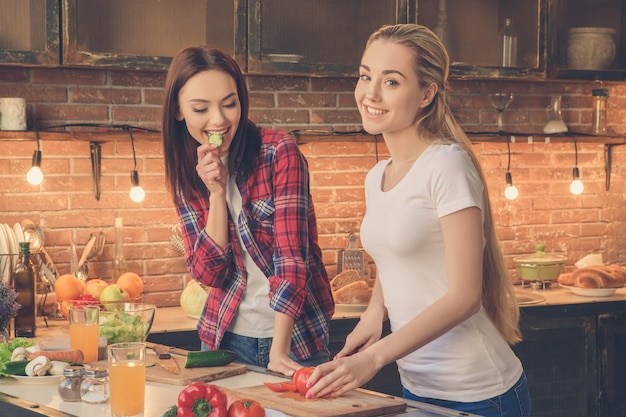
(37, 380)
(14, 247)
(5, 264)
(19, 232)
(591, 292)
(350, 307)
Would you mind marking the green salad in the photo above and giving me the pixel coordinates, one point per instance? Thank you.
(118, 327)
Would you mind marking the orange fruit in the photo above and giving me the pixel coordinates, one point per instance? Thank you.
(132, 283)
(68, 287)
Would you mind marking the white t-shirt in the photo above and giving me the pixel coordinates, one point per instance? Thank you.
(254, 317)
(402, 233)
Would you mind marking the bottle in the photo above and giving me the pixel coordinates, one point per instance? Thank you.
(600, 97)
(24, 283)
(507, 44)
(94, 389)
(119, 263)
(69, 384)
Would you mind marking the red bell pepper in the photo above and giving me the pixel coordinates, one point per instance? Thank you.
(200, 399)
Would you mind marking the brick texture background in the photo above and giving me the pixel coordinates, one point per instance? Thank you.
(65, 206)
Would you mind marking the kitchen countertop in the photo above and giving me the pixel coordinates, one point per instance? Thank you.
(172, 319)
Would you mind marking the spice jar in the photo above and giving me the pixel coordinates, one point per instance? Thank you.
(69, 385)
(95, 387)
(600, 97)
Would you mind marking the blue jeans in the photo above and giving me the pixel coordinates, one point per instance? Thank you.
(256, 351)
(513, 403)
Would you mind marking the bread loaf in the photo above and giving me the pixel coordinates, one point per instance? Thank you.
(567, 279)
(344, 278)
(357, 292)
(598, 276)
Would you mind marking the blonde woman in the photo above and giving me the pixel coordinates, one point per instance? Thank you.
(428, 226)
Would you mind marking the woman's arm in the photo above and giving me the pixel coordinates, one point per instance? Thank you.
(463, 240)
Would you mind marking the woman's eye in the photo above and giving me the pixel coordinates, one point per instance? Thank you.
(364, 77)
(230, 105)
(196, 110)
(391, 83)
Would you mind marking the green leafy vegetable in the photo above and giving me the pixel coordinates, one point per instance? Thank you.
(118, 326)
(6, 349)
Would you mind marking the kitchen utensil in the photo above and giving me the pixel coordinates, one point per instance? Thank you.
(165, 359)
(33, 234)
(539, 266)
(93, 248)
(177, 239)
(171, 349)
(352, 258)
(356, 403)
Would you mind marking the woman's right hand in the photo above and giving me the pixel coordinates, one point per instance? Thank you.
(365, 333)
(211, 169)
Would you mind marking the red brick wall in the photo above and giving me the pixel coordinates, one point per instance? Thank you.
(65, 206)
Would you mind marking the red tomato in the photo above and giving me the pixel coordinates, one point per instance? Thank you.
(280, 386)
(246, 408)
(300, 377)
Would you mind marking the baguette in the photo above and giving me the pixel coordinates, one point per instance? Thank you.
(357, 292)
(597, 276)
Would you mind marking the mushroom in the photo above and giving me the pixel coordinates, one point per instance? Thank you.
(57, 367)
(38, 366)
(33, 349)
(19, 354)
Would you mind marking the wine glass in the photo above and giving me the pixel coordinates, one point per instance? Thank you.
(500, 101)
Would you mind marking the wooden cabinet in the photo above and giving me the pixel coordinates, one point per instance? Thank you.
(29, 32)
(144, 34)
(612, 364)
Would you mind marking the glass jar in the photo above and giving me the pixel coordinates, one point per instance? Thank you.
(69, 385)
(95, 387)
(600, 97)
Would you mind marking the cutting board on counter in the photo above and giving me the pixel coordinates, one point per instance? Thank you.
(155, 373)
(357, 403)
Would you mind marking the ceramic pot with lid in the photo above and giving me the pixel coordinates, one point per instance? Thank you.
(539, 266)
(590, 48)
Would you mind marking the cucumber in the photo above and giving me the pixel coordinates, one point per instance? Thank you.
(215, 139)
(209, 358)
(14, 368)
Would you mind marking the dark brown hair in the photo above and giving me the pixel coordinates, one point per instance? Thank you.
(179, 147)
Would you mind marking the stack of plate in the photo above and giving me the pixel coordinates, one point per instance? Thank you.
(10, 238)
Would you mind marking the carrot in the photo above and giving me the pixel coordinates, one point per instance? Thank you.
(69, 355)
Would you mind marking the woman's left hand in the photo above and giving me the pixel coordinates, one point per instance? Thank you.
(341, 375)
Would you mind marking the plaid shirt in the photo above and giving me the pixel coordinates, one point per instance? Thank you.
(278, 227)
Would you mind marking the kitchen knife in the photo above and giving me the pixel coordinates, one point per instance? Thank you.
(171, 349)
(164, 358)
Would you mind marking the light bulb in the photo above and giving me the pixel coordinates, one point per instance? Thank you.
(576, 187)
(137, 194)
(510, 191)
(34, 175)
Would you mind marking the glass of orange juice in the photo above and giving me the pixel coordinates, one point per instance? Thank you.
(84, 321)
(127, 378)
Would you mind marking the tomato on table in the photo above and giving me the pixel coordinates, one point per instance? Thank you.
(246, 408)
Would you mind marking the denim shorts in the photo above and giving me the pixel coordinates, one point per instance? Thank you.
(513, 403)
(256, 351)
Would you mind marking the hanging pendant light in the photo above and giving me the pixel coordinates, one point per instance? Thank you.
(510, 191)
(34, 175)
(137, 194)
(577, 186)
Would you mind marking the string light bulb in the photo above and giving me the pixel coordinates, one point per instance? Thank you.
(577, 186)
(510, 191)
(34, 175)
(137, 194)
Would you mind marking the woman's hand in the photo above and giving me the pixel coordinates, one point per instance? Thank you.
(365, 333)
(281, 362)
(211, 169)
(341, 375)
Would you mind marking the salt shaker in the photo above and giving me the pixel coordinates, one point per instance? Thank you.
(600, 97)
(69, 385)
(95, 387)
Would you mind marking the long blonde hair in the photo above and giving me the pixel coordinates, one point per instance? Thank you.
(438, 123)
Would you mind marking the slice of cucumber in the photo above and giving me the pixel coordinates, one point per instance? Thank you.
(207, 358)
(215, 139)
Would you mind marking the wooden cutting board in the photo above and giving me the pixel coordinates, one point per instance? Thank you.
(156, 373)
(357, 403)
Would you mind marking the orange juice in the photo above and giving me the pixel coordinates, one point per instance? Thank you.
(128, 387)
(84, 336)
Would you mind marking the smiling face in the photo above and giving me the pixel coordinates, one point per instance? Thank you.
(209, 103)
(388, 94)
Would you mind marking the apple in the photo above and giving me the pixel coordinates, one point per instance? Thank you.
(112, 295)
(95, 287)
